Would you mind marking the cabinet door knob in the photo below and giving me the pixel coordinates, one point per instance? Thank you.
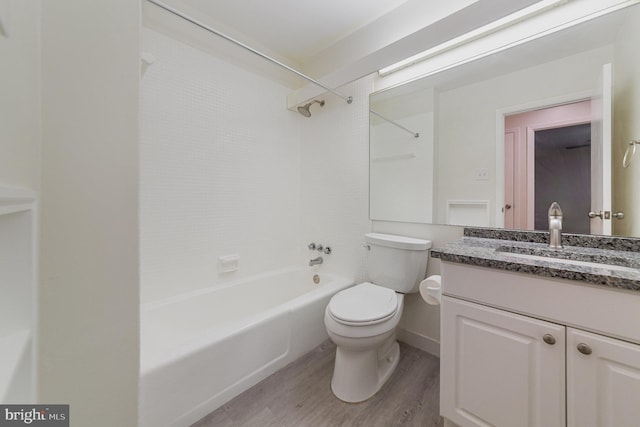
(549, 339)
(584, 348)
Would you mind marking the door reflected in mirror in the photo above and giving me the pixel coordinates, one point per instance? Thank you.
(547, 156)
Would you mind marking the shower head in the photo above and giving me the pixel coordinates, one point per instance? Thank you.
(304, 109)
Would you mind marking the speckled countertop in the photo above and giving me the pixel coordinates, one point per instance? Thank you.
(502, 249)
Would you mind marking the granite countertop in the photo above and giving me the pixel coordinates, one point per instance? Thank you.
(495, 249)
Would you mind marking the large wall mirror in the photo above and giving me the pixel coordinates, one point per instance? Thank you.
(502, 137)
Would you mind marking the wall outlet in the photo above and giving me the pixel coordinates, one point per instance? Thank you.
(482, 174)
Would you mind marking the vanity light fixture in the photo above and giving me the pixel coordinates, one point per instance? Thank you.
(483, 31)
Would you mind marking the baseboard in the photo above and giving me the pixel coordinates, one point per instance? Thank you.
(419, 341)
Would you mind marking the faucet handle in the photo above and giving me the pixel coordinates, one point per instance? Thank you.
(555, 211)
(311, 246)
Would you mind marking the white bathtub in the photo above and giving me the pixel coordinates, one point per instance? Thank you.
(200, 350)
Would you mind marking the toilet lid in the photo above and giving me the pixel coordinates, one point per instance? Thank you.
(363, 303)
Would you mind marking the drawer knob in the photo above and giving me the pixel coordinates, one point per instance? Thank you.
(549, 339)
(584, 348)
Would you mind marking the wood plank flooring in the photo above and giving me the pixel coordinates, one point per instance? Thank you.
(299, 395)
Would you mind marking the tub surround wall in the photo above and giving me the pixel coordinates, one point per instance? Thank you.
(220, 171)
(335, 179)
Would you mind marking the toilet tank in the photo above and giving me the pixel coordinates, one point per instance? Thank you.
(397, 262)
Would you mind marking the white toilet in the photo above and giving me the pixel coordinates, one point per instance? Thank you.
(362, 320)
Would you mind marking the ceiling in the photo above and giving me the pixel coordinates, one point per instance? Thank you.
(334, 41)
(295, 29)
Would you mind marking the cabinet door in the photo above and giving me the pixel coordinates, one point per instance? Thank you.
(497, 370)
(603, 381)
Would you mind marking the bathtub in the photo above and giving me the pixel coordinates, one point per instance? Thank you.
(199, 350)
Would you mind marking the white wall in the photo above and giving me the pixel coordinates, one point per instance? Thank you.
(89, 295)
(220, 171)
(20, 101)
(626, 197)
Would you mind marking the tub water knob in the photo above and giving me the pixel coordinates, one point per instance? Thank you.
(311, 246)
(327, 250)
(319, 248)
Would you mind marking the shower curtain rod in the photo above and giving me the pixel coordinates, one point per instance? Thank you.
(176, 12)
(415, 134)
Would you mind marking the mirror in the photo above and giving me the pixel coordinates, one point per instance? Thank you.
(465, 169)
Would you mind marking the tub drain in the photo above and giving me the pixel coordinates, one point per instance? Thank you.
(316, 279)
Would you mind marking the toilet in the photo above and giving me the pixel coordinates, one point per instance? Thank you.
(362, 320)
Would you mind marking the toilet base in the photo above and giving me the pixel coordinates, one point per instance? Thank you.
(358, 375)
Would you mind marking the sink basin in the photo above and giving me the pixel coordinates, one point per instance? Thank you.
(568, 257)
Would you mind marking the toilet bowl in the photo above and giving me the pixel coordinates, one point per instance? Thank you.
(367, 352)
(362, 320)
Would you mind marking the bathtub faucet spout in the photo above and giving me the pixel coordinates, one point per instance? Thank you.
(315, 261)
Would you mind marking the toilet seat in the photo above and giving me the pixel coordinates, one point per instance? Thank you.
(363, 305)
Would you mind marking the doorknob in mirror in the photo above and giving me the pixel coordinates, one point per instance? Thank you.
(618, 215)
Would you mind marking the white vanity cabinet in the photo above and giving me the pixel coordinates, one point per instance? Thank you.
(497, 370)
(603, 381)
(515, 351)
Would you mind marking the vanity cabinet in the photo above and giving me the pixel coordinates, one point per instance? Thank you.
(603, 385)
(508, 359)
(498, 370)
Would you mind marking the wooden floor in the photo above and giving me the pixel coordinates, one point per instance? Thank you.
(300, 395)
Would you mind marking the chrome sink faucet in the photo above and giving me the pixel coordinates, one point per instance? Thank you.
(315, 261)
(555, 226)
